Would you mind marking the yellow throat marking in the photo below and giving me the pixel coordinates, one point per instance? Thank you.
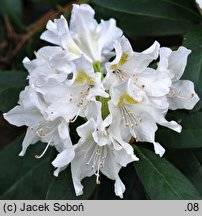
(82, 77)
(127, 99)
(122, 61)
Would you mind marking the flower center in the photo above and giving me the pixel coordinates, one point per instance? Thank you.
(82, 77)
(81, 102)
(45, 128)
(126, 99)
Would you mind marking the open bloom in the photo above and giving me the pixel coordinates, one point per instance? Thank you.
(134, 65)
(51, 63)
(98, 150)
(135, 114)
(181, 94)
(84, 35)
(138, 93)
(75, 93)
(32, 113)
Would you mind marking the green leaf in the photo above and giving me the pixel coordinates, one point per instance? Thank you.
(188, 163)
(161, 179)
(28, 178)
(12, 9)
(150, 17)
(193, 71)
(24, 177)
(62, 187)
(11, 83)
(190, 137)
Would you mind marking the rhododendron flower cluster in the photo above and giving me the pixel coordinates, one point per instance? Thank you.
(91, 71)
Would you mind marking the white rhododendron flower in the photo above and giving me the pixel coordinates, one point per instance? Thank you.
(84, 35)
(93, 73)
(181, 94)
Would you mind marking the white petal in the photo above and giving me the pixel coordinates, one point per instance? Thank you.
(119, 187)
(125, 155)
(96, 40)
(58, 33)
(79, 167)
(92, 110)
(107, 121)
(28, 64)
(110, 79)
(97, 89)
(50, 90)
(78, 187)
(158, 149)
(140, 61)
(19, 116)
(64, 158)
(82, 20)
(182, 95)
(48, 52)
(84, 66)
(163, 64)
(100, 138)
(172, 124)
(154, 83)
(58, 170)
(86, 129)
(122, 92)
(178, 62)
(79, 12)
(145, 130)
(30, 138)
(108, 33)
(55, 30)
(63, 129)
(122, 46)
(160, 102)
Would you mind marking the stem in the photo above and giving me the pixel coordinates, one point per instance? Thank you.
(97, 68)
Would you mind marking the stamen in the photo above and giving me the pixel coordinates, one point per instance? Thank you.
(97, 177)
(98, 152)
(75, 117)
(97, 159)
(174, 93)
(46, 128)
(136, 139)
(40, 132)
(41, 155)
(86, 91)
(83, 101)
(129, 118)
(121, 74)
(92, 155)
